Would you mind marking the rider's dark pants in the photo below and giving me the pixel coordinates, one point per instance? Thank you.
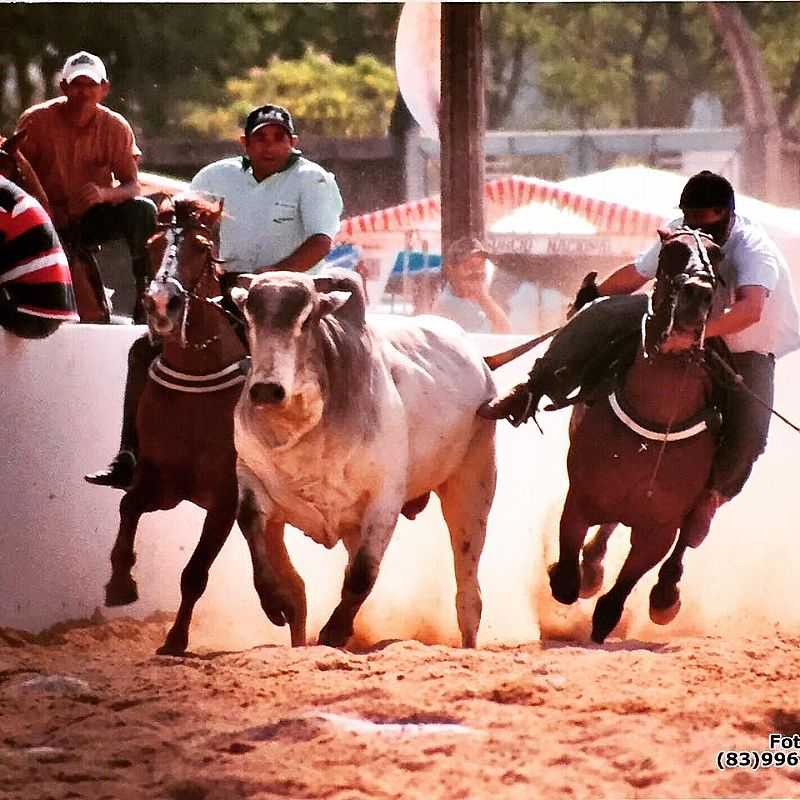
(141, 354)
(134, 220)
(745, 423)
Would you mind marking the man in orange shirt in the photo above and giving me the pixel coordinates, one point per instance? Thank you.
(86, 158)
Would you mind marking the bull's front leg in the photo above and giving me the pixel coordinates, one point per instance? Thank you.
(280, 588)
(365, 556)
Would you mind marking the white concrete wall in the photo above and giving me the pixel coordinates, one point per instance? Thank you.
(60, 406)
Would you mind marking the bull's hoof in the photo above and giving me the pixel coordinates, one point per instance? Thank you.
(565, 582)
(121, 591)
(665, 603)
(592, 574)
(607, 614)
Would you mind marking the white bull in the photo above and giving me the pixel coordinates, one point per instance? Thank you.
(344, 423)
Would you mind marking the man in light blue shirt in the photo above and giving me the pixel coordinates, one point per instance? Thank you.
(281, 210)
(281, 213)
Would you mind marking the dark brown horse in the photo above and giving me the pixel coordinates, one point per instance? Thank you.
(643, 456)
(185, 415)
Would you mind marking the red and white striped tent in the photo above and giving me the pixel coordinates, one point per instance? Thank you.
(614, 213)
(523, 215)
(503, 195)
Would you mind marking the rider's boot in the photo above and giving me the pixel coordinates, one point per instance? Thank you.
(516, 405)
(548, 377)
(118, 474)
(697, 523)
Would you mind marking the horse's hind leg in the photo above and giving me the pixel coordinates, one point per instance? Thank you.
(565, 574)
(217, 526)
(665, 598)
(648, 546)
(592, 557)
(466, 499)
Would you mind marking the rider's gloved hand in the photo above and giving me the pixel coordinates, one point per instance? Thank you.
(588, 291)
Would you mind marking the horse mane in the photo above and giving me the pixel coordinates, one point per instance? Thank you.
(191, 210)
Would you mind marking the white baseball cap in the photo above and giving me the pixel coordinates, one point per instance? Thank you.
(84, 63)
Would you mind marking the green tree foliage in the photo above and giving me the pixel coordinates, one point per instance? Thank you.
(326, 98)
(161, 55)
(626, 64)
(548, 64)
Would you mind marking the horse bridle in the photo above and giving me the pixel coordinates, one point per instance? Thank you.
(166, 276)
(676, 282)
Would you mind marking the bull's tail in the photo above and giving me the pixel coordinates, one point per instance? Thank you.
(500, 359)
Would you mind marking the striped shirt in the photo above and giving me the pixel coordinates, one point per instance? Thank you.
(34, 273)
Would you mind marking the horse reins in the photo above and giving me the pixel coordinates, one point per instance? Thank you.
(165, 277)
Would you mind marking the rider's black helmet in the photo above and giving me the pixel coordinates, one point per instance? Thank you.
(707, 190)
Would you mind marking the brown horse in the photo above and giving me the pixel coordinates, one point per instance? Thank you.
(185, 415)
(642, 456)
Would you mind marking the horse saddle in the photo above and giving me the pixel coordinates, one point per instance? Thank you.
(589, 352)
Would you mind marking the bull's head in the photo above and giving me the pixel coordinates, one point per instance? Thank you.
(285, 313)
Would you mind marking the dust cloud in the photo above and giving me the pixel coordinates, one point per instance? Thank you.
(740, 582)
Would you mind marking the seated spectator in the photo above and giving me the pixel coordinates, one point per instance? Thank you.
(466, 297)
(86, 158)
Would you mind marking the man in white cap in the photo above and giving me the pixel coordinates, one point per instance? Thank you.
(86, 158)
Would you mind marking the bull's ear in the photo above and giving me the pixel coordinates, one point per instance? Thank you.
(239, 296)
(330, 302)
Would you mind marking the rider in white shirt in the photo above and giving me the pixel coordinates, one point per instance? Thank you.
(754, 312)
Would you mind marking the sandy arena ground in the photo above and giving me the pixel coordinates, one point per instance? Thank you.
(88, 711)
(92, 713)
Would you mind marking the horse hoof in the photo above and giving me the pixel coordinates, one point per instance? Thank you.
(565, 583)
(607, 614)
(665, 603)
(666, 615)
(170, 649)
(333, 637)
(591, 579)
(121, 592)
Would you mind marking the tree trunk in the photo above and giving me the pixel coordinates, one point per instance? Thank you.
(763, 141)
